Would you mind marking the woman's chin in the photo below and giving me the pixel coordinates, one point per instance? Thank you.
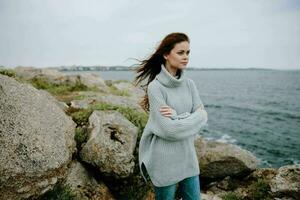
(183, 66)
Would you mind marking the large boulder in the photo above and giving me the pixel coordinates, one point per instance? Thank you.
(200, 146)
(93, 80)
(287, 181)
(221, 160)
(135, 92)
(84, 186)
(36, 141)
(111, 144)
(60, 104)
(52, 75)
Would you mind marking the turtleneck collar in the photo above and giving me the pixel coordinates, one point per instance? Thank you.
(168, 79)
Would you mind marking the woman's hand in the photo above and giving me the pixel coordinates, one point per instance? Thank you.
(200, 109)
(166, 111)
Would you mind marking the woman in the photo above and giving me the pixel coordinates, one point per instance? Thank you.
(176, 115)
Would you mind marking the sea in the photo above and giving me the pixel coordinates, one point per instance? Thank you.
(256, 109)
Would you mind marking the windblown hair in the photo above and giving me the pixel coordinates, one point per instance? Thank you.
(150, 67)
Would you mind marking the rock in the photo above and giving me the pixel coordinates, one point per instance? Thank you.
(284, 198)
(200, 146)
(95, 97)
(82, 104)
(79, 177)
(60, 104)
(221, 160)
(93, 80)
(56, 77)
(36, 141)
(266, 174)
(287, 181)
(84, 185)
(28, 73)
(150, 195)
(111, 144)
(101, 192)
(71, 79)
(209, 197)
(136, 92)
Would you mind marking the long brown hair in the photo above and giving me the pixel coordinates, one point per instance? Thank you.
(151, 67)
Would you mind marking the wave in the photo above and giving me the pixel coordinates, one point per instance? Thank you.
(283, 114)
(230, 107)
(213, 106)
(226, 139)
(279, 116)
(223, 139)
(280, 163)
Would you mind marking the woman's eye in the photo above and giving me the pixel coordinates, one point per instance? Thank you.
(182, 52)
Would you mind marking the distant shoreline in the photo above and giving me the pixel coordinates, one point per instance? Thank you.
(125, 68)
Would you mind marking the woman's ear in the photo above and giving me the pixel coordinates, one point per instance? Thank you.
(166, 56)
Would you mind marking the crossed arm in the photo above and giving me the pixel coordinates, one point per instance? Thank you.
(168, 111)
(167, 124)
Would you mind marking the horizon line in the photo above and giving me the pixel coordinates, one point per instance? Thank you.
(190, 67)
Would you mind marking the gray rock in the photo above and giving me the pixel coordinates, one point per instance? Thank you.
(221, 160)
(111, 143)
(36, 141)
(284, 198)
(200, 146)
(28, 73)
(93, 80)
(210, 197)
(60, 104)
(84, 186)
(287, 181)
(266, 174)
(135, 92)
(78, 176)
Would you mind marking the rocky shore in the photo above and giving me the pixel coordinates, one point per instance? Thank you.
(76, 137)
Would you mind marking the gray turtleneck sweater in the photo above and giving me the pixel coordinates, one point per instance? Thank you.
(166, 150)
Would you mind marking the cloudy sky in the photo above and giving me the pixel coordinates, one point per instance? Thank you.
(223, 33)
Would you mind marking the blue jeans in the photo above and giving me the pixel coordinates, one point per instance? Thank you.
(189, 189)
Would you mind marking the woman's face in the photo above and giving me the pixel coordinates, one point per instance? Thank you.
(179, 56)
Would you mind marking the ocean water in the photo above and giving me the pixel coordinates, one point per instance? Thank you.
(258, 110)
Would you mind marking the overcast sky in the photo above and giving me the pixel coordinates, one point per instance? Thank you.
(223, 33)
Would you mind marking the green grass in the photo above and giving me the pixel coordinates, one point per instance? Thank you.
(139, 119)
(80, 136)
(59, 192)
(118, 92)
(8, 72)
(80, 116)
(79, 97)
(56, 89)
(259, 189)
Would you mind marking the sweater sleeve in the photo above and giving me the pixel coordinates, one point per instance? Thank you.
(172, 129)
(197, 102)
(180, 116)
